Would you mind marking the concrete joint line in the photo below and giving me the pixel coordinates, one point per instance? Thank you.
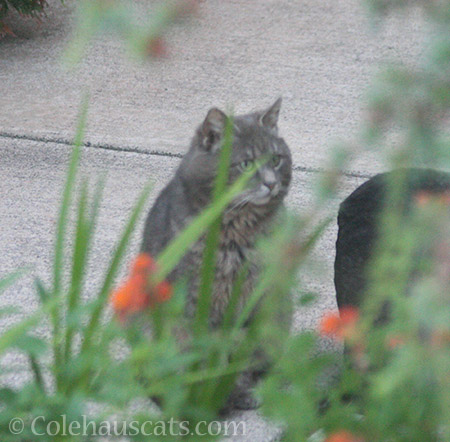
(131, 149)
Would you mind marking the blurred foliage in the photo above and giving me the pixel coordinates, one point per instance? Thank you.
(31, 8)
(396, 374)
(142, 34)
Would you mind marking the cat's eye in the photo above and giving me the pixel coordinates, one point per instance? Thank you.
(246, 164)
(275, 160)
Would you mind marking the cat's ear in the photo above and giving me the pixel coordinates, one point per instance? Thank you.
(213, 127)
(269, 117)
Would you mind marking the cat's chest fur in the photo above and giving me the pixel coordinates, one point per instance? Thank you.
(236, 251)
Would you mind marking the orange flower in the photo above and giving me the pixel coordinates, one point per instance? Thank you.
(341, 326)
(395, 341)
(343, 436)
(424, 197)
(440, 338)
(137, 294)
(156, 47)
(143, 264)
(6, 30)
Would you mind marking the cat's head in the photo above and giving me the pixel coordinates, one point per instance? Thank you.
(255, 138)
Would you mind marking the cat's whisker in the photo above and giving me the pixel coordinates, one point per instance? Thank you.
(239, 204)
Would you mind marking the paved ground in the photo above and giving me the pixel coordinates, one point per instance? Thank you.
(318, 55)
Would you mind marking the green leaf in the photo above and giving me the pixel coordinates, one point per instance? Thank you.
(10, 336)
(7, 395)
(31, 344)
(10, 279)
(60, 240)
(307, 298)
(208, 268)
(36, 369)
(79, 262)
(10, 310)
(42, 292)
(102, 298)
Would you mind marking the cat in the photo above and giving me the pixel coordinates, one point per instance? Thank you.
(250, 215)
(357, 229)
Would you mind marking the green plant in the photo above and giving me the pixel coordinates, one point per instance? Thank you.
(31, 8)
(394, 372)
(119, 18)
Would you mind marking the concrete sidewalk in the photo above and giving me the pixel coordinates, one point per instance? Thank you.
(319, 55)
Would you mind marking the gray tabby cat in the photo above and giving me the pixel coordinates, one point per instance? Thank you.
(255, 135)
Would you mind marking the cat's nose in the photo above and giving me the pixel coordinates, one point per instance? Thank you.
(268, 178)
(270, 185)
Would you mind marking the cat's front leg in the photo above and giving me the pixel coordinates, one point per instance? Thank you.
(242, 397)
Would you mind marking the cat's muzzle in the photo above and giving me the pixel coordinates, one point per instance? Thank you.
(264, 193)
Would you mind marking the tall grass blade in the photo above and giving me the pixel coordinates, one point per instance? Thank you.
(36, 369)
(60, 238)
(196, 376)
(43, 293)
(93, 322)
(10, 336)
(10, 279)
(85, 229)
(208, 269)
(79, 259)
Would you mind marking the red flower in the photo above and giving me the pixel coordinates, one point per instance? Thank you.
(156, 47)
(440, 338)
(137, 293)
(343, 436)
(424, 197)
(395, 341)
(341, 326)
(143, 264)
(6, 30)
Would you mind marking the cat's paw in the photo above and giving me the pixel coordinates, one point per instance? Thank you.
(246, 401)
(241, 400)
